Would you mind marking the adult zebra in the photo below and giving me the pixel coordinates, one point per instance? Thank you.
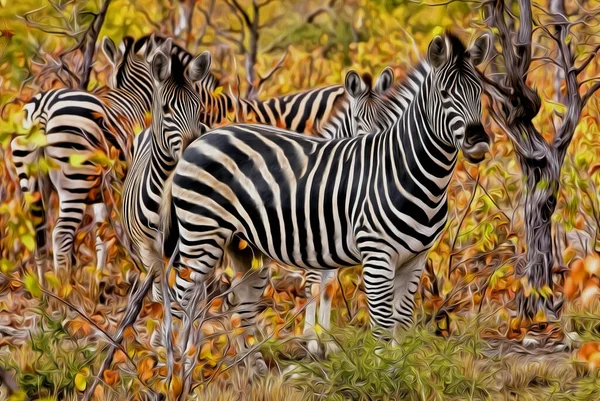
(82, 123)
(378, 200)
(336, 111)
(177, 118)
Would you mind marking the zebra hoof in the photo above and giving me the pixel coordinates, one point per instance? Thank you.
(313, 347)
(331, 348)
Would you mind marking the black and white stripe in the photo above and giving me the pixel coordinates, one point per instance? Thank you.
(80, 123)
(378, 200)
(336, 111)
(177, 118)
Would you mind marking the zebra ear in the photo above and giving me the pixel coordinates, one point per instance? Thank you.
(479, 51)
(167, 46)
(199, 67)
(437, 53)
(385, 81)
(354, 84)
(110, 50)
(161, 66)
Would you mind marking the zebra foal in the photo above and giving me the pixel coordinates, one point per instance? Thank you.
(378, 200)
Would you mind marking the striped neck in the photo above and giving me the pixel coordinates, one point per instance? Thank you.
(424, 162)
(127, 111)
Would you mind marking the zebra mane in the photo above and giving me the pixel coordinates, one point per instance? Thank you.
(406, 89)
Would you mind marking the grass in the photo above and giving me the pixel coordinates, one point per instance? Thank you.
(416, 364)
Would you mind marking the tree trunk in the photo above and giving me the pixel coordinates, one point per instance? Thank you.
(541, 186)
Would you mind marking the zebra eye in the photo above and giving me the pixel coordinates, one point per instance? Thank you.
(166, 108)
(444, 93)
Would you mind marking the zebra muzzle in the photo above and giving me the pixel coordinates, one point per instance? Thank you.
(476, 143)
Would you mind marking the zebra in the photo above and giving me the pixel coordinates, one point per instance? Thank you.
(335, 111)
(177, 119)
(379, 200)
(82, 123)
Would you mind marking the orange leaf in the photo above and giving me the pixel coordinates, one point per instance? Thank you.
(111, 377)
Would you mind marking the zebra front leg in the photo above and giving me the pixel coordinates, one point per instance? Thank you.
(311, 288)
(378, 276)
(406, 283)
(198, 257)
(134, 307)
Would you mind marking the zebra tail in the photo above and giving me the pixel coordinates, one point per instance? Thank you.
(168, 219)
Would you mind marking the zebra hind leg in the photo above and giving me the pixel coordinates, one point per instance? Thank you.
(25, 154)
(245, 300)
(63, 237)
(100, 217)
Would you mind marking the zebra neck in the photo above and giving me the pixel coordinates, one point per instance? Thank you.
(423, 161)
(126, 112)
(160, 155)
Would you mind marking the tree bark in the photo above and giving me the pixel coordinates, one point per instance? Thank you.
(91, 37)
(541, 187)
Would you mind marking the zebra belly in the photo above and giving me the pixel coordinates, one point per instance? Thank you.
(252, 187)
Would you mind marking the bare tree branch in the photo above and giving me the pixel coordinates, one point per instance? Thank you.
(91, 37)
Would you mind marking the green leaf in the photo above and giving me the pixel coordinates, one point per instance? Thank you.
(32, 285)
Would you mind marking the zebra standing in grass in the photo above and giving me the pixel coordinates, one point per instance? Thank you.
(330, 112)
(177, 119)
(378, 200)
(82, 123)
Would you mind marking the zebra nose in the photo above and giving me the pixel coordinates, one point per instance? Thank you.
(476, 143)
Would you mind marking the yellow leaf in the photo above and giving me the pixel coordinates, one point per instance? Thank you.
(32, 285)
(256, 264)
(20, 395)
(77, 159)
(28, 241)
(81, 380)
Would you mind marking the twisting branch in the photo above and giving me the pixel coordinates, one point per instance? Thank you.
(91, 36)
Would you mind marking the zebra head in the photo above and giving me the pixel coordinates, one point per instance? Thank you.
(177, 115)
(367, 104)
(454, 100)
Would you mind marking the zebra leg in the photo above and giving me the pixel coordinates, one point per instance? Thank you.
(311, 288)
(25, 154)
(199, 253)
(406, 283)
(100, 217)
(327, 277)
(378, 276)
(246, 300)
(70, 216)
(136, 300)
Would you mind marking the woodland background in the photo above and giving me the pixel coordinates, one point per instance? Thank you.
(475, 339)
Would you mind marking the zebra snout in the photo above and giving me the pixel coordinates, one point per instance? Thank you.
(476, 143)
